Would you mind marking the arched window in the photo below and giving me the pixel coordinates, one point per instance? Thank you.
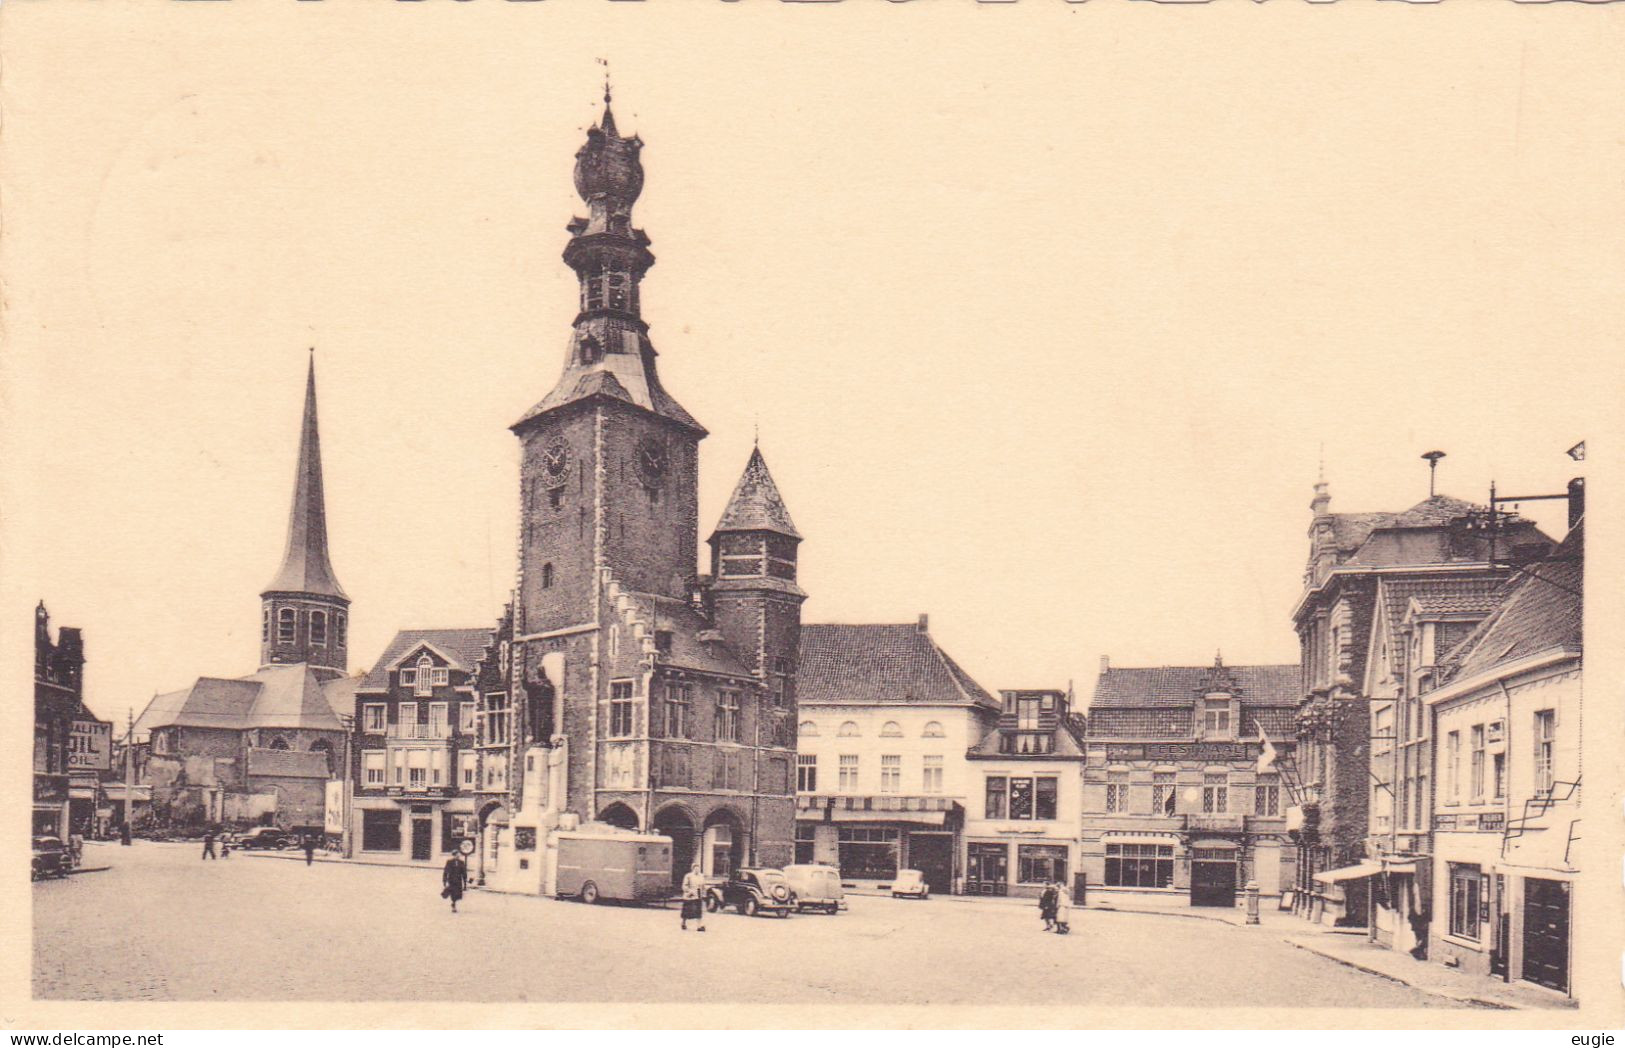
(807, 730)
(265, 625)
(933, 730)
(547, 576)
(279, 743)
(284, 626)
(318, 627)
(849, 730)
(340, 628)
(425, 678)
(891, 730)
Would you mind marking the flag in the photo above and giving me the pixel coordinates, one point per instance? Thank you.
(1266, 759)
(1578, 452)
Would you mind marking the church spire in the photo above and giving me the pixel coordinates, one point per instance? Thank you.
(305, 565)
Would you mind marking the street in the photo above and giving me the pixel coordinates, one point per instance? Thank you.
(163, 925)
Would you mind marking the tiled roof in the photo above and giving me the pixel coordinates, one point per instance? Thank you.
(290, 696)
(291, 764)
(1542, 609)
(1351, 530)
(1435, 595)
(305, 565)
(882, 664)
(688, 650)
(463, 646)
(756, 504)
(1067, 747)
(1151, 686)
(619, 375)
(340, 694)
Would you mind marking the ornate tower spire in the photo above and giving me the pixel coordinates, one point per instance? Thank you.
(756, 504)
(609, 352)
(304, 606)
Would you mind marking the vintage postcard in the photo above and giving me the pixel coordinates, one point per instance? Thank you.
(1086, 523)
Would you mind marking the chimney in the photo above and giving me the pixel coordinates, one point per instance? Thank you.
(1577, 500)
(1105, 664)
(925, 622)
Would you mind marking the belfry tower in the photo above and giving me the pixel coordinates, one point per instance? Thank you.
(304, 611)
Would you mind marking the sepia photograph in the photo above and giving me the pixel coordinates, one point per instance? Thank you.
(1085, 524)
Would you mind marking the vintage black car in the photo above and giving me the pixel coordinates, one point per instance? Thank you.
(265, 838)
(50, 858)
(754, 891)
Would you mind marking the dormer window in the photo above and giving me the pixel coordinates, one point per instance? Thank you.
(1027, 712)
(1216, 717)
(425, 676)
(663, 641)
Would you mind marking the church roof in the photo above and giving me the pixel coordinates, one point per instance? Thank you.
(305, 565)
(1167, 686)
(463, 648)
(881, 664)
(622, 374)
(289, 696)
(756, 504)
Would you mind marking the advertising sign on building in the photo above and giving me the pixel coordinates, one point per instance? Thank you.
(90, 745)
(334, 808)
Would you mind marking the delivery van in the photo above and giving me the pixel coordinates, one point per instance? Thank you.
(622, 867)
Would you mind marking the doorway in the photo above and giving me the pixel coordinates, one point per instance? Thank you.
(1546, 933)
(422, 838)
(933, 855)
(674, 823)
(1213, 877)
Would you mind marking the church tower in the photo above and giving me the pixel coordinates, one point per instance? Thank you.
(755, 601)
(304, 611)
(610, 461)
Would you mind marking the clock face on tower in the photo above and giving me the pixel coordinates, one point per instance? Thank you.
(556, 459)
(651, 460)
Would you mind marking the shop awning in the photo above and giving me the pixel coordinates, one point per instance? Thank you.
(918, 818)
(1350, 873)
(1400, 867)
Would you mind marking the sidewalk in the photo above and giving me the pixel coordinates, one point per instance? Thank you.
(1428, 976)
(299, 856)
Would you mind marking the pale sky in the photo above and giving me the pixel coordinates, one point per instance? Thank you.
(1044, 331)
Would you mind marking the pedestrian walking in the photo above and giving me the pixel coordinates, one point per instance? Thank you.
(453, 880)
(124, 834)
(1046, 906)
(694, 888)
(310, 852)
(1063, 910)
(225, 845)
(208, 844)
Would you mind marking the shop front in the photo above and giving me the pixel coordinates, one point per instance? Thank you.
(869, 841)
(416, 831)
(1019, 867)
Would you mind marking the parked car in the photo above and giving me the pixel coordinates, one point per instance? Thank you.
(264, 838)
(816, 887)
(910, 884)
(50, 858)
(755, 891)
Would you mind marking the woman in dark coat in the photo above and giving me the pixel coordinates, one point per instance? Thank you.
(453, 880)
(1046, 905)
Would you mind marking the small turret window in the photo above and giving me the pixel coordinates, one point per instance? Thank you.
(285, 626)
(591, 351)
(318, 627)
(340, 624)
(265, 625)
(547, 576)
(618, 283)
(593, 291)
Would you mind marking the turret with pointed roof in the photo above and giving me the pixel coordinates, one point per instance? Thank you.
(304, 611)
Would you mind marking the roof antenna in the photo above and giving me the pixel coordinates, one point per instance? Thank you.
(1433, 458)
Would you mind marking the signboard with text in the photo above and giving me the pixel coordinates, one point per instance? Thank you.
(333, 814)
(90, 745)
(1182, 751)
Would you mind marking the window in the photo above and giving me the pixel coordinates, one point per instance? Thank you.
(781, 681)
(1499, 768)
(372, 767)
(1021, 798)
(1140, 865)
(849, 730)
(409, 677)
(408, 725)
(1116, 792)
(997, 788)
(1267, 795)
(677, 701)
(437, 720)
(987, 866)
(469, 763)
(933, 730)
(806, 773)
(663, 641)
(1216, 717)
(442, 676)
(1465, 886)
(891, 773)
(437, 767)
(1027, 713)
(931, 774)
(1040, 863)
(372, 718)
(1452, 747)
(727, 715)
(279, 743)
(1545, 743)
(340, 627)
(318, 628)
(1026, 743)
(496, 771)
(547, 576)
(1162, 793)
(849, 773)
(284, 626)
(891, 730)
(496, 719)
(806, 837)
(1216, 793)
(265, 625)
(381, 830)
(425, 676)
(1478, 762)
(808, 730)
(1044, 797)
(398, 761)
(465, 718)
(620, 708)
(555, 500)
(417, 769)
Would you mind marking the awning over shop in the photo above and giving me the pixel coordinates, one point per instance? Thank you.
(919, 818)
(1400, 867)
(1350, 873)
